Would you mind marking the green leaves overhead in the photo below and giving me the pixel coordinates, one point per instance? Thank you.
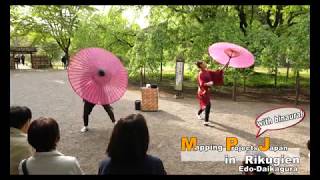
(47, 23)
(271, 32)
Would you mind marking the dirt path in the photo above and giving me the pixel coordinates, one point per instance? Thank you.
(48, 93)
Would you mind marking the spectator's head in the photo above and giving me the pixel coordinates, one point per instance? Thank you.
(201, 64)
(44, 134)
(20, 117)
(253, 166)
(308, 144)
(129, 140)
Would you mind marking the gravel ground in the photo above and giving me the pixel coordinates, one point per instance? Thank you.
(48, 93)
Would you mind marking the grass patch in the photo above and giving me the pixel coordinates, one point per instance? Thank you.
(259, 79)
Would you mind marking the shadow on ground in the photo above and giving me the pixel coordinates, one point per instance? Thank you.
(161, 115)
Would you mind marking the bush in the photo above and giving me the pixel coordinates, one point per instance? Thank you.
(255, 80)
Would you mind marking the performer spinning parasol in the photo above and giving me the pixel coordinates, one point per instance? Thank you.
(224, 53)
(206, 79)
(98, 77)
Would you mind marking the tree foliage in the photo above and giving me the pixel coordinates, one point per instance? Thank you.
(277, 35)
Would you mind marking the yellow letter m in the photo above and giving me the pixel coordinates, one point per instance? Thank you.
(188, 145)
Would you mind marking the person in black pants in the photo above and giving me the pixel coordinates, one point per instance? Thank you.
(88, 106)
(22, 59)
(64, 61)
(205, 82)
(206, 111)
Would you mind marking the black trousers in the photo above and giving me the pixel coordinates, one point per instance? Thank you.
(64, 65)
(88, 108)
(207, 112)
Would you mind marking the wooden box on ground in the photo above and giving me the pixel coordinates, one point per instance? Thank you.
(149, 99)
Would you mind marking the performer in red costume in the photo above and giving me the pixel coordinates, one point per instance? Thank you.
(206, 79)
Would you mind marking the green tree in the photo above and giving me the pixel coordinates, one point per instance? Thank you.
(57, 22)
(137, 57)
(110, 31)
(299, 48)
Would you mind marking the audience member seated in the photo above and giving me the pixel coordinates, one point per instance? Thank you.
(43, 136)
(127, 149)
(308, 146)
(20, 117)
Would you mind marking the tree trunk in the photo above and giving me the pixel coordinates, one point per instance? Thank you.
(244, 84)
(234, 92)
(141, 77)
(144, 75)
(161, 64)
(275, 77)
(288, 68)
(252, 12)
(31, 59)
(242, 17)
(66, 52)
(50, 61)
(297, 87)
(161, 70)
(67, 60)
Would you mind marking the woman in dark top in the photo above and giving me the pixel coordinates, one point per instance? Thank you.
(127, 149)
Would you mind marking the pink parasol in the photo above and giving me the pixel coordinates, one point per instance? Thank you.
(239, 57)
(97, 76)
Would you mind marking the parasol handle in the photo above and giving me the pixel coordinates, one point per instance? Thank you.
(229, 59)
(225, 66)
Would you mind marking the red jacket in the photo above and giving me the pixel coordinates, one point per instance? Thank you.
(206, 76)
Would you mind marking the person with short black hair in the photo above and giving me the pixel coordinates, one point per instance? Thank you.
(308, 146)
(20, 117)
(43, 136)
(127, 149)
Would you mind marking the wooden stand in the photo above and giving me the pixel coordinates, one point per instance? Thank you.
(149, 99)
